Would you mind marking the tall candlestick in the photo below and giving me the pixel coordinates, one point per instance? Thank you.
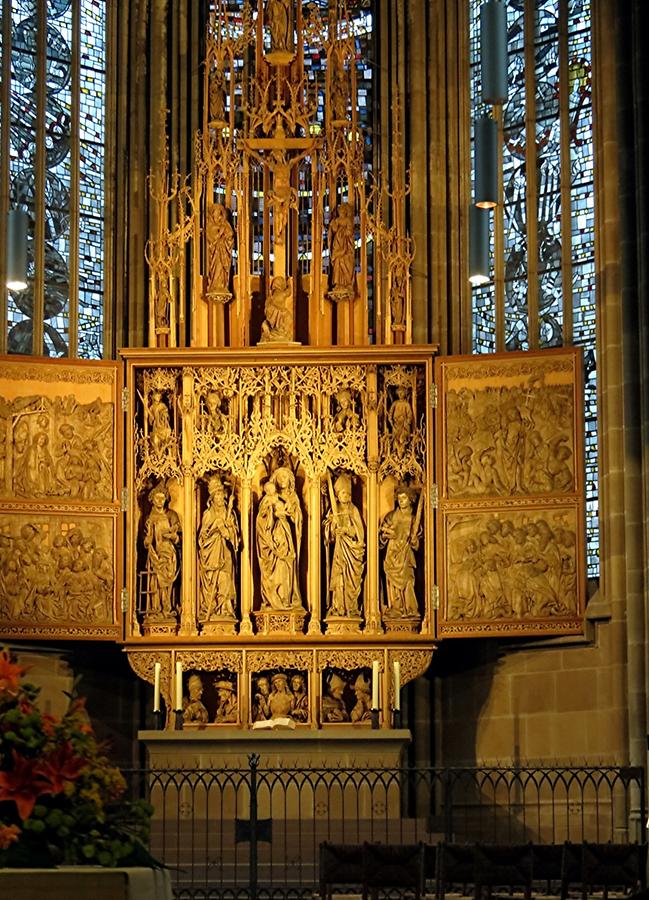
(375, 684)
(397, 684)
(156, 687)
(179, 686)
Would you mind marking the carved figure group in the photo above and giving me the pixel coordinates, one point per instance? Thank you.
(48, 575)
(515, 442)
(226, 709)
(279, 696)
(513, 567)
(400, 533)
(343, 527)
(54, 458)
(278, 536)
(161, 540)
(346, 700)
(218, 543)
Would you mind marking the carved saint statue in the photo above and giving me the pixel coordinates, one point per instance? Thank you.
(279, 533)
(218, 542)
(343, 527)
(333, 704)
(220, 244)
(398, 288)
(344, 417)
(402, 420)
(162, 301)
(217, 96)
(340, 90)
(161, 537)
(193, 708)
(282, 196)
(159, 424)
(278, 324)
(278, 19)
(39, 466)
(300, 701)
(227, 707)
(261, 700)
(399, 533)
(341, 241)
(216, 420)
(281, 698)
(362, 709)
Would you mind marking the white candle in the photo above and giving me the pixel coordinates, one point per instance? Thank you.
(397, 684)
(156, 687)
(375, 684)
(179, 685)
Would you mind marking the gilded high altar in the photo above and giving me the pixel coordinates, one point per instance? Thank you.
(302, 512)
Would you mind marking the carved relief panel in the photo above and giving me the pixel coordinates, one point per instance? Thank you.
(59, 507)
(511, 518)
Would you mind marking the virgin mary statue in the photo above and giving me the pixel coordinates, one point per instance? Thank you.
(279, 532)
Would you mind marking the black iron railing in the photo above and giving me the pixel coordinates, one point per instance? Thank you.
(256, 832)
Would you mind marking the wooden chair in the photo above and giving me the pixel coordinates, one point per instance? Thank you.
(393, 866)
(340, 864)
(503, 864)
(455, 865)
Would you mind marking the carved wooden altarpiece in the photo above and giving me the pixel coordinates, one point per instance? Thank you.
(288, 534)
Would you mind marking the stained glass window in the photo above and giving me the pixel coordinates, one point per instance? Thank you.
(56, 93)
(543, 290)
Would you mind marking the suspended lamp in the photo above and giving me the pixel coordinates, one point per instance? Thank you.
(486, 162)
(17, 250)
(493, 51)
(478, 245)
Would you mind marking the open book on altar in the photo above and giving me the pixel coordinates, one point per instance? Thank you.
(278, 722)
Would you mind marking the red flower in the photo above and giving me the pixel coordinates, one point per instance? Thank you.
(9, 674)
(48, 722)
(59, 767)
(8, 835)
(24, 785)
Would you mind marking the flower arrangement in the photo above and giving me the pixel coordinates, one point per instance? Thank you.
(61, 800)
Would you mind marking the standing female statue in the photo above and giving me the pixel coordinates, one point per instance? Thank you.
(279, 533)
(399, 533)
(218, 542)
(161, 537)
(341, 237)
(220, 244)
(343, 527)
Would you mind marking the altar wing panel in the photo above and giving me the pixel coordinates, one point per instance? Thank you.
(511, 535)
(59, 501)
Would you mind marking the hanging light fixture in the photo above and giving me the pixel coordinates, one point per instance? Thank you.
(493, 52)
(17, 250)
(478, 245)
(486, 162)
